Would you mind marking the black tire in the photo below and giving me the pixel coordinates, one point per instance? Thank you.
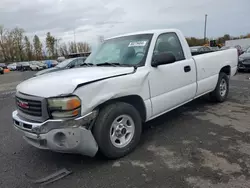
(101, 129)
(217, 95)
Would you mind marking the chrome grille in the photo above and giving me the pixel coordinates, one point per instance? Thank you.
(30, 107)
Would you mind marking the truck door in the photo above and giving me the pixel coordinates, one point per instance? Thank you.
(171, 84)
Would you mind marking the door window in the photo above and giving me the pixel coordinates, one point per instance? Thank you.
(169, 42)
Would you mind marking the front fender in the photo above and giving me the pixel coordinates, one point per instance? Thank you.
(98, 92)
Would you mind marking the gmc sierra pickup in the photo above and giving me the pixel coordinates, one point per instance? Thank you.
(128, 80)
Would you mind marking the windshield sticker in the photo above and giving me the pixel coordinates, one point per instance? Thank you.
(137, 43)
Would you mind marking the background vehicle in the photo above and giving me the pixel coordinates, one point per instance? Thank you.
(214, 48)
(243, 43)
(12, 66)
(128, 80)
(25, 66)
(80, 54)
(61, 59)
(51, 63)
(35, 65)
(66, 64)
(244, 61)
(3, 65)
(19, 66)
(44, 64)
(54, 63)
(200, 49)
(1, 70)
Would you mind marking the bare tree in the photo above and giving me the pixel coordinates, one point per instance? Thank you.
(83, 47)
(3, 50)
(18, 44)
(63, 50)
(37, 47)
(72, 47)
(28, 48)
(50, 45)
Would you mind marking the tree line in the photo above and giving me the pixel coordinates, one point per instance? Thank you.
(15, 46)
(192, 41)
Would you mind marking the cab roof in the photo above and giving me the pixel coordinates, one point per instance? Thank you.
(156, 31)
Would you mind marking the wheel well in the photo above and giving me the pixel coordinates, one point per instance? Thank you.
(226, 69)
(134, 100)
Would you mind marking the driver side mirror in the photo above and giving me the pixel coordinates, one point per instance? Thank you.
(163, 58)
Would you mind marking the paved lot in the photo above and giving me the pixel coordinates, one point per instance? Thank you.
(198, 145)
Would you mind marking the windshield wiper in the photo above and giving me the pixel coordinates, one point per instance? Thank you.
(87, 64)
(108, 64)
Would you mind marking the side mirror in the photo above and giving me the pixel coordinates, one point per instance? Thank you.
(163, 58)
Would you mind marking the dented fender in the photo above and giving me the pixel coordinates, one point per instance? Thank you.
(100, 91)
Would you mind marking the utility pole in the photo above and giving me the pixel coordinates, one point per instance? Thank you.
(75, 42)
(205, 29)
(74, 36)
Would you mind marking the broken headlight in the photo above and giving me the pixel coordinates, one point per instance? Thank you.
(64, 107)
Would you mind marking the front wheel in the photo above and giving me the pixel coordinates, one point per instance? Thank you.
(117, 130)
(222, 88)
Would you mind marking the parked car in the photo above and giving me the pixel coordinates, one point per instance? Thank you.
(51, 63)
(61, 59)
(36, 65)
(200, 49)
(12, 66)
(54, 63)
(45, 66)
(130, 79)
(19, 66)
(66, 64)
(1, 70)
(214, 48)
(3, 65)
(244, 61)
(25, 66)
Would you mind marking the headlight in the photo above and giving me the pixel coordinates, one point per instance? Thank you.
(241, 59)
(65, 107)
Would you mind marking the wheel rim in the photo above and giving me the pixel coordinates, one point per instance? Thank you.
(122, 131)
(223, 87)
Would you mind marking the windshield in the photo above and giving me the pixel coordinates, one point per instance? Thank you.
(128, 50)
(64, 63)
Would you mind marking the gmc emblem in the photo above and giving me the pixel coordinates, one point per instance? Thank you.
(22, 104)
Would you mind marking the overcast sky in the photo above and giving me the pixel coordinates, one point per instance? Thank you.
(91, 18)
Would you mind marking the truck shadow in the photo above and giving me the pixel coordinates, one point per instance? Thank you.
(149, 130)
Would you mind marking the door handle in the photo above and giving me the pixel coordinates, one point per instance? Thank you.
(187, 68)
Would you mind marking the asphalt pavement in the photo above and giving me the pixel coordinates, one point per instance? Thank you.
(201, 144)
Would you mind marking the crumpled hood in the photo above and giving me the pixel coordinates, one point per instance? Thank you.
(65, 82)
(245, 56)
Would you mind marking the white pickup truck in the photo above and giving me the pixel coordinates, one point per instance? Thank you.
(129, 80)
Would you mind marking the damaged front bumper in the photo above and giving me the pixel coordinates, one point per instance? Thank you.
(66, 136)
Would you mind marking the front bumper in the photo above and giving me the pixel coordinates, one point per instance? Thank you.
(58, 135)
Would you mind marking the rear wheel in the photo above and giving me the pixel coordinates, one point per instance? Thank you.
(222, 88)
(117, 130)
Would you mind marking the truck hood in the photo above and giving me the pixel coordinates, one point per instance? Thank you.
(46, 71)
(65, 81)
